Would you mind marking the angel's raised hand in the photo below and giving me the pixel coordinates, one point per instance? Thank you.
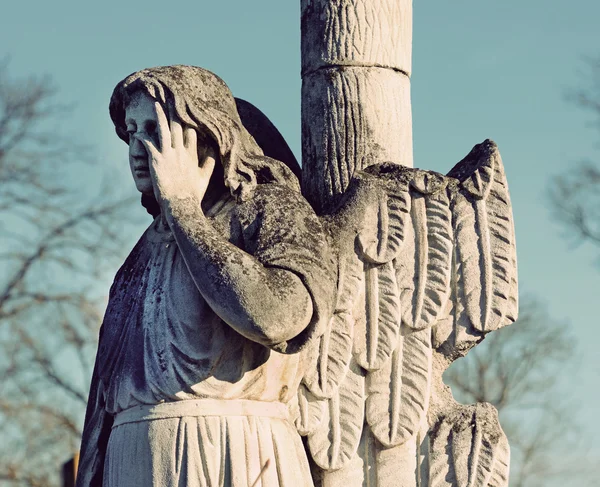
(174, 164)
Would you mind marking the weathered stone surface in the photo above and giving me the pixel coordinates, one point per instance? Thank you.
(352, 117)
(375, 33)
(356, 63)
(427, 269)
(467, 447)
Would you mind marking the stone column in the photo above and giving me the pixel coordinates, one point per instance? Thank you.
(356, 111)
(356, 63)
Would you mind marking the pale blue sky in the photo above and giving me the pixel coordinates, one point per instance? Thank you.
(481, 69)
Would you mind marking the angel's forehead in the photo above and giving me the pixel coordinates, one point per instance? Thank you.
(140, 108)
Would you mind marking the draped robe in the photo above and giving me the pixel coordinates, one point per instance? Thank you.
(178, 397)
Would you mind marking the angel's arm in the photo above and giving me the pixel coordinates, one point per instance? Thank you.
(268, 305)
(263, 301)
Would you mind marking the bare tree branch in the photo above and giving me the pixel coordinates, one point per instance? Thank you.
(56, 242)
(519, 370)
(575, 194)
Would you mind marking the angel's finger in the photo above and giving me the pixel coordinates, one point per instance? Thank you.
(164, 133)
(148, 144)
(190, 139)
(176, 135)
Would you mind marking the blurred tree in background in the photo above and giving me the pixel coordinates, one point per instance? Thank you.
(575, 194)
(521, 370)
(56, 242)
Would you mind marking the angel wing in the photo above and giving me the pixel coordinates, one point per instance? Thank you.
(469, 449)
(427, 268)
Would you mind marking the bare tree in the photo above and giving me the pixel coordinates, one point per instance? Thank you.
(522, 370)
(575, 194)
(56, 243)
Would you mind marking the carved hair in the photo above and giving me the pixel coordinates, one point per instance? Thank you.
(201, 100)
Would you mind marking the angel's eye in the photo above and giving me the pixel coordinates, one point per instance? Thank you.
(131, 129)
(151, 127)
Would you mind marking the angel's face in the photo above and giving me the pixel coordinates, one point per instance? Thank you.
(141, 119)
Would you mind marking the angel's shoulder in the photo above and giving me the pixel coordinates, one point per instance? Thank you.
(275, 198)
(279, 207)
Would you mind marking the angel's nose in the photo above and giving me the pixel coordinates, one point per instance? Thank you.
(136, 148)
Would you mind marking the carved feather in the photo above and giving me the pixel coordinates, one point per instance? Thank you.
(441, 466)
(473, 265)
(398, 393)
(469, 449)
(504, 237)
(440, 247)
(424, 262)
(485, 247)
(335, 441)
(502, 248)
(311, 411)
(398, 207)
(378, 338)
(406, 271)
(335, 346)
(382, 237)
(413, 308)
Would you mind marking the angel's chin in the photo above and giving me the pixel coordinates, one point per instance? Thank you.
(144, 184)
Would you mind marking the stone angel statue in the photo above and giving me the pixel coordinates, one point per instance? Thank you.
(199, 350)
(242, 321)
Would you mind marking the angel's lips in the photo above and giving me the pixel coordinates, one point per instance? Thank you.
(142, 169)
